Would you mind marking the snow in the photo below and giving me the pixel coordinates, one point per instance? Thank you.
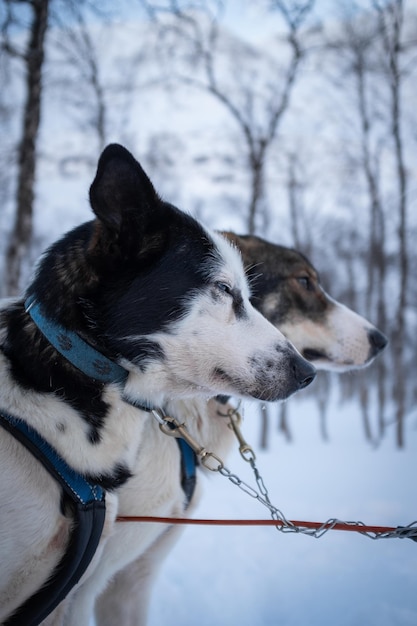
(257, 575)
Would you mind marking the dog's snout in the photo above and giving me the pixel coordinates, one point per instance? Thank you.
(304, 372)
(377, 340)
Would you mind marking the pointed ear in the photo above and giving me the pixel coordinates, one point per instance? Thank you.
(121, 194)
(232, 237)
(247, 244)
(242, 242)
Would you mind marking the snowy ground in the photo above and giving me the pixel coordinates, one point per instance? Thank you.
(218, 576)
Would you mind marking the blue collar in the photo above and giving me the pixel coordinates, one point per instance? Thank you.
(95, 365)
(77, 351)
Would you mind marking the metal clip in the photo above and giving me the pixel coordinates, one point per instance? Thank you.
(184, 434)
(208, 458)
(246, 451)
(170, 426)
(159, 415)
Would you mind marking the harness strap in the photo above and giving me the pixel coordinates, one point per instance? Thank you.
(88, 503)
(189, 464)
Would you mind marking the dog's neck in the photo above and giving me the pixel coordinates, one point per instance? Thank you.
(81, 354)
(86, 420)
(72, 347)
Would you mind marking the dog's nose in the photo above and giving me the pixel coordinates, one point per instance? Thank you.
(377, 340)
(304, 372)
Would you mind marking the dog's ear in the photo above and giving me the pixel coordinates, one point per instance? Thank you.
(247, 244)
(232, 237)
(121, 195)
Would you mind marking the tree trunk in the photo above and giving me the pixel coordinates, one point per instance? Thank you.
(264, 415)
(391, 22)
(22, 231)
(256, 193)
(283, 421)
(375, 300)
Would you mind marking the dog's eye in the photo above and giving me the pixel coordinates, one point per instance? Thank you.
(224, 287)
(305, 282)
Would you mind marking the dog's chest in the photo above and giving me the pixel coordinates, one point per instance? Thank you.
(33, 531)
(155, 488)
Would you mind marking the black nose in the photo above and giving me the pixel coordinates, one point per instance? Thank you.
(377, 340)
(304, 372)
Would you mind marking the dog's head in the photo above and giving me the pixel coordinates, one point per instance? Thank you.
(151, 288)
(286, 289)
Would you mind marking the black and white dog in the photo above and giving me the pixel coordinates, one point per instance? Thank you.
(139, 306)
(286, 288)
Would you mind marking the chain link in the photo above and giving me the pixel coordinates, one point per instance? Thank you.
(261, 495)
(172, 427)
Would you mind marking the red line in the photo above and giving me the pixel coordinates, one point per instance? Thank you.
(354, 527)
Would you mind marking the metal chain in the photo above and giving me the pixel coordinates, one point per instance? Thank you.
(247, 453)
(286, 525)
(172, 427)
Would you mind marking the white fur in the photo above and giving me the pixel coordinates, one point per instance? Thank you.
(134, 553)
(210, 337)
(343, 336)
(33, 532)
(154, 490)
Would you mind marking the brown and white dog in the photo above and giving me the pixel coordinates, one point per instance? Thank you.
(286, 289)
(148, 290)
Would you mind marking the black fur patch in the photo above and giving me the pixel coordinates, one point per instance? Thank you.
(238, 305)
(147, 352)
(112, 480)
(116, 280)
(236, 297)
(36, 365)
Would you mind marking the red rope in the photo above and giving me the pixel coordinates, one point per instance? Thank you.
(355, 527)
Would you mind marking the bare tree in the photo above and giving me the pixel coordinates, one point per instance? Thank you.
(85, 56)
(359, 47)
(78, 59)
(256, 108)
(32, 57)
(296, 184)
(31, 54)
(256, 111)
(391, 23)
(7, 108)
(374, 54)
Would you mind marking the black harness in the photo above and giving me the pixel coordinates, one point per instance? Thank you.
(86, 500)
